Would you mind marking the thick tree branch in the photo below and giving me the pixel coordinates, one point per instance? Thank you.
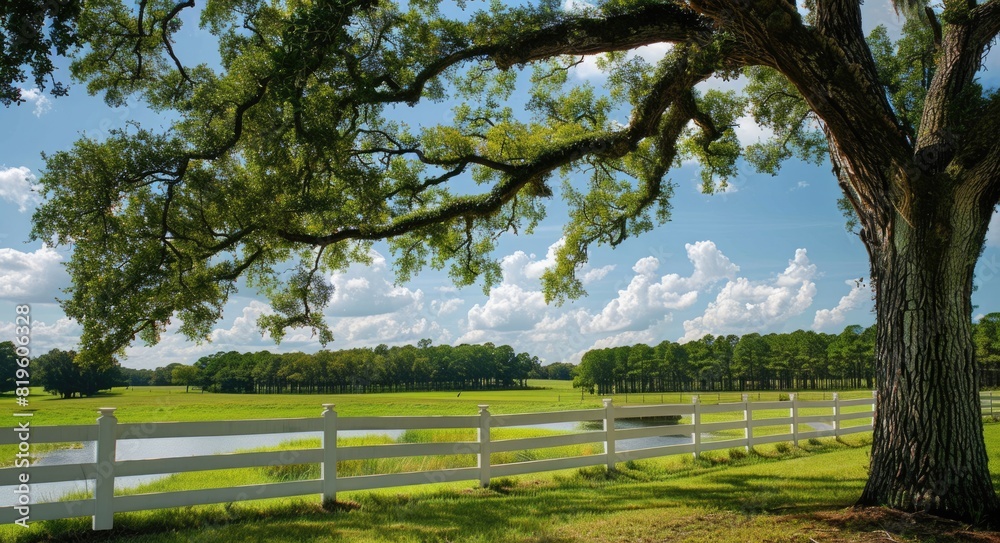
(657, 23)
(985, 24)
(832, 68)
(840, 20)
(943, 129)
(674, 84)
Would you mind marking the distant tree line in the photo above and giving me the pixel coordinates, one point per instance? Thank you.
(793, 361)
(379, 369)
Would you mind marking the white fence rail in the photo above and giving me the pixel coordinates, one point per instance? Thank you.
(837, 417)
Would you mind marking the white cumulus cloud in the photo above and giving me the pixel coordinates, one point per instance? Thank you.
(17, 186)
(592, 275)
(744, 306)
(366, 290)
(34, 96)
(63, 334)
(31, 277)
(649, 296)
(509, 307)
(446, 307)
(828, 318)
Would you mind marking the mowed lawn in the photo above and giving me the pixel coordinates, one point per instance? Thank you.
(800, 495)
(778, 494)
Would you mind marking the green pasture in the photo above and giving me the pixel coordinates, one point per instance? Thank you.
(774, 494)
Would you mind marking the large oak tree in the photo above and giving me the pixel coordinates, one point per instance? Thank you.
(292, 147)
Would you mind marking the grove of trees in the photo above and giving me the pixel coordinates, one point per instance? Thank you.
(58, 373)
(798, 360)
(381, 369)
(795, 361)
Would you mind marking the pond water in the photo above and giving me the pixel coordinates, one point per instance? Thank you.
(140, 449)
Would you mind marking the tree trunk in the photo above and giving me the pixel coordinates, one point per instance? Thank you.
(928, 452)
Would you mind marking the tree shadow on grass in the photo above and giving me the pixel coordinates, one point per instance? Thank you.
(556, 510)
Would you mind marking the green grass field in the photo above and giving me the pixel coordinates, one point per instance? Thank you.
(801, 494)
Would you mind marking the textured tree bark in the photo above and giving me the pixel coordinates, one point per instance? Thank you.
(928, 452)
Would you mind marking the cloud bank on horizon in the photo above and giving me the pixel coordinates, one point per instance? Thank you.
(367, 308)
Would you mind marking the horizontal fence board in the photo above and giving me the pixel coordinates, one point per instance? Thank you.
(723, 408)
(408, 423)
(811, 404)
(50, 434)
(683, 430)
(544, 442)
(641, 411)
(406, 449)
(706, 427)
(815, 418)
(48, 474)
(184, 498)
(852, 416)
(719, 445)
(389, 480)
(552, 464)
(180, 464)
(760, 440)
(653, 452)
(50, 511)
(528, 419)
(757, 423)
(760, 406)
(856, 429)
(851, 403)
(817, 433)
(217, 428)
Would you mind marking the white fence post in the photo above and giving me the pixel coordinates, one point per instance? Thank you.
(874, 406)
(104, 483)
(329, 470)
(794, 412)
(484, 446)
(696, 420)
(748, 418)
(609, 432)
(836, 415)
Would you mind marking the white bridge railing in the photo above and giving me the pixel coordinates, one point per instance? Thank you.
(107, 432)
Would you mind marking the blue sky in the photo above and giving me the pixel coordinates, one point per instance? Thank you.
(770, 254)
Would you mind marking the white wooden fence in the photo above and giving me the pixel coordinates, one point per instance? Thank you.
(108, 431)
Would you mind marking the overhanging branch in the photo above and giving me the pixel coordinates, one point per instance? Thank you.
(689, 68)
(661, 23)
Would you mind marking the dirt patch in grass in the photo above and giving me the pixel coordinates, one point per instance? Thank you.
(871, 524)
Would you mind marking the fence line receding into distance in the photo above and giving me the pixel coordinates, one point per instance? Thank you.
(835, 418)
